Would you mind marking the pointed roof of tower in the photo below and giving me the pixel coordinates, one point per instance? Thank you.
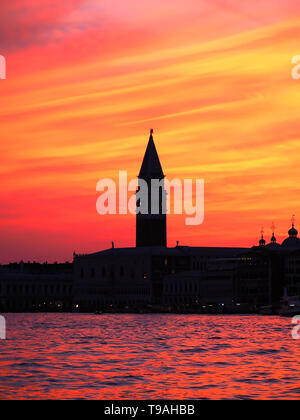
(151, 167)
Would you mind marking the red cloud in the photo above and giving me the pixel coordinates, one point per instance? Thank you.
(26, 22)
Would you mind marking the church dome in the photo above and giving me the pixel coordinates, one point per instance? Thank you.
(292, 241)
(262, 242)
(293, 232)
(273, 244)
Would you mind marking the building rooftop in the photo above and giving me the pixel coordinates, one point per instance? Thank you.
(165, 251)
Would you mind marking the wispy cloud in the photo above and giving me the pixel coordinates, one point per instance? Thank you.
(32, 22)
(213, 80)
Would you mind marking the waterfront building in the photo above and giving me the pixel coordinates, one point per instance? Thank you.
(135, 277)
(153, 276)
(268, 271)
(210, 287)
(29, 287)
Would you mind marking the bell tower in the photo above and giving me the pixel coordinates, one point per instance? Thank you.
(151, 228)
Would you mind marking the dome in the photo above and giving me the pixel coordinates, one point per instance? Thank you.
(273, 245)
(292, 241)
(262, 242)
(293, 232)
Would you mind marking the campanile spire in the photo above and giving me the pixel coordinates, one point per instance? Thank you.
(151, 229)
(151, 167)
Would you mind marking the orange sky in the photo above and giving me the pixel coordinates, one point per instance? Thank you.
(87, 80)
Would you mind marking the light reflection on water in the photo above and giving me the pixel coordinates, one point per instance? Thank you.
(131, 356)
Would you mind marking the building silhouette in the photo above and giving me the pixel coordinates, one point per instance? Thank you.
(137, 276)
(31, 287)
(151, 229)
(184, 278)
(154, 277)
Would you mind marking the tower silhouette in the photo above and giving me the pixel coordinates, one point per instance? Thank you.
(151, 229)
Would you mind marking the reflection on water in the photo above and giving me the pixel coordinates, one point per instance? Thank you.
(148, 357)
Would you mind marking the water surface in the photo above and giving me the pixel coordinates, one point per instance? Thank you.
(129, 356)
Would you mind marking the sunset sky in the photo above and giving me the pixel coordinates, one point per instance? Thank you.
(87, 79)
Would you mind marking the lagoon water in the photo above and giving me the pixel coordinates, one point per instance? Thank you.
(153, 356)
